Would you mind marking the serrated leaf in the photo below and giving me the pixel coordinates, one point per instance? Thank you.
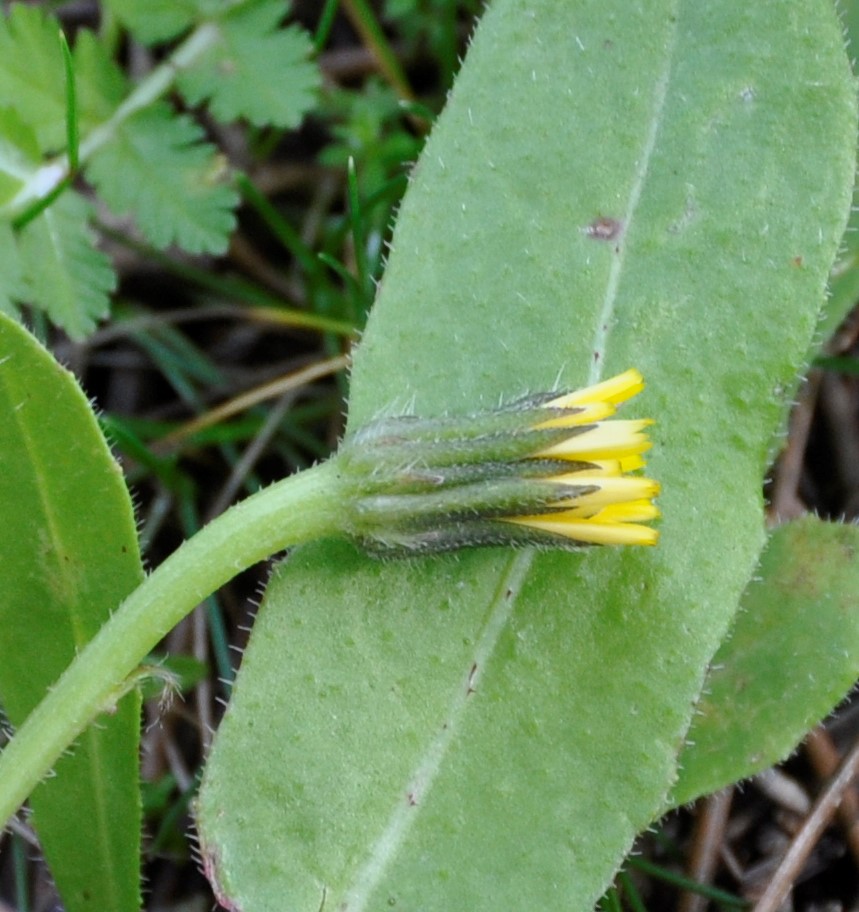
(65, 274)
(610, 185)
(70, 556)
(155, 20)
(101, 85)
(257, 70)
(32, 78)
(792, 656)
(159, 170)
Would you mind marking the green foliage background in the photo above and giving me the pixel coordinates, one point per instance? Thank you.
(489, 729)
(144, 159)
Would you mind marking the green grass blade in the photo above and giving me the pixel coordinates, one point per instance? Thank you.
(69, 557)
(791, 657)
(609, 186)
(72, 130)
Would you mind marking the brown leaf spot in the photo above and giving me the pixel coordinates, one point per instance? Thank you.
(604, 229)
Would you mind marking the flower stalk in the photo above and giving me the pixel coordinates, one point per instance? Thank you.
(547, 470)
(300, 508)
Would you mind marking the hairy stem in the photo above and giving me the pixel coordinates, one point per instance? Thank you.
(298, 509)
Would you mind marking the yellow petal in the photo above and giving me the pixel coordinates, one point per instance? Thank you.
(605, 440)
(591, 532)
(614, 390)
(609, 489)
(614, 466)
(632, 511)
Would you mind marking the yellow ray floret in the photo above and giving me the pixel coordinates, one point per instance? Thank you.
(605, 440)
(614, 391)
(595, 530)
(616, 503)
(609, 489)
(614, 524)
(615, 466)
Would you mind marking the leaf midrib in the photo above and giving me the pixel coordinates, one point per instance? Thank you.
(414, 793)
(609, 304)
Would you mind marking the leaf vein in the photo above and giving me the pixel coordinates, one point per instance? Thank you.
(386, 847)
(609, 304)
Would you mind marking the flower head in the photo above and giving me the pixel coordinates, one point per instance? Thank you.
(546, 470)
(614, 511)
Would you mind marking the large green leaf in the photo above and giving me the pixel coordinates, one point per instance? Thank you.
(69, 556)
(611, 184)
(792, 655)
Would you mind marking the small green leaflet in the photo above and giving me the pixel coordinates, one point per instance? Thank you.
(155, 20)
(258, 70)
(32, 80)
(65, 274)
(101, 85)
(159, 169)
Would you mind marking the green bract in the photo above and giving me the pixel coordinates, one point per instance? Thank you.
(546, 470)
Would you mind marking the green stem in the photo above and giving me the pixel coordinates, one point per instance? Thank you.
(298, 509)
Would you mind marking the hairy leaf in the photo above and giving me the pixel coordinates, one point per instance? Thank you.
(611, 185)
(32, 78)
(159, 170)
(70, 556)
(65, 274)
(257, 71)
(792, 655)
